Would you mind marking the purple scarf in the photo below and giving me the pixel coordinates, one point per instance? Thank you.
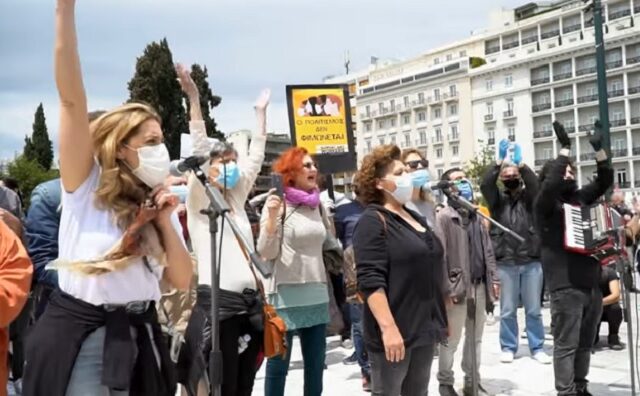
(295, 196)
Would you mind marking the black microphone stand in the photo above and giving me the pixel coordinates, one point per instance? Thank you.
(471, 300)
(219, 207)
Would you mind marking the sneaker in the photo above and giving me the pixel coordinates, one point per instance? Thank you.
(542, 357)
(366, 383)
(447, 390)
(349, 360)
(506, 357)
(347, 344)
(467, 391)
(491, 320)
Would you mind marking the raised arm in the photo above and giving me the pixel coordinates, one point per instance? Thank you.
(197, 128)
(76, 149)
(251, 165)
(489, 188)
(530, 183)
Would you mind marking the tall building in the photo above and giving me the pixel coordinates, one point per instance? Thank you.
(541, 67)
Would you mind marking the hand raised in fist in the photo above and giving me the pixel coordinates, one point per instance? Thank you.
(562, 135)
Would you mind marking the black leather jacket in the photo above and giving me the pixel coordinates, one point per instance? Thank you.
(514, 210)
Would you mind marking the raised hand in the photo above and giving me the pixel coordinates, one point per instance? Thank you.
(503, 147)
(517, 154)
(596, 138)
(562, 135)
(186, 82)
(263, 100)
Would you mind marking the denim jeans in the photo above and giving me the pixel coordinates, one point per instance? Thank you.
(575, 314)
(313, 342)
(409, 376)
(358, 340)
(520, 283)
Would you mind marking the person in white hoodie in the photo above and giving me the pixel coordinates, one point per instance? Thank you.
(240, 312)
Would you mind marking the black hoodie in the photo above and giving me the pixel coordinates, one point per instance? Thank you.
(563, 269)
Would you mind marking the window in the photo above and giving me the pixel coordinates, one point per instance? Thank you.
(392, 104)
(592, 91)
(380, 107)
(437, 113)
(392, 139)
(567, 95)
(490, 108)
(439, 152)
(510, 105)
(421, 98)
(454, 150)
(453, 90)
(546, 128)
(368, 143)
(438, 132)
(407, 140)
(422, 116)
(619, 144)
(406, 119)
(491, 134)
(440, 172)
(463, 53)
(511, 132)
(453, 110)
(544, 99)
(382, 124)
(367, 127)
(489, 84)
(616, 86)
(406, 101)
(621, 175)
(454, 132)
(449, 57)
(436, 94)
(618, 115)
(508, 80)
(381, 141)
(423, 136)
(436, 61)
(547, 153)
(367, 110)
(393, 122)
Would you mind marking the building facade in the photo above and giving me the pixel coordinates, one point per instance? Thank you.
(541, 67)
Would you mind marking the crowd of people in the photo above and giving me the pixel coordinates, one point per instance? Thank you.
(106, 282)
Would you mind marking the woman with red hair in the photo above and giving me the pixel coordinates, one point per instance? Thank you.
(291, 234)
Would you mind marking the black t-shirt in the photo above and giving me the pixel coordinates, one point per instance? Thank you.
(408, 265)
(608, 275)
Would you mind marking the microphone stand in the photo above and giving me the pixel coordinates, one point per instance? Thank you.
(219, 207)
(471, 300)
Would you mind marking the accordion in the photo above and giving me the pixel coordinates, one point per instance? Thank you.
(588, 230)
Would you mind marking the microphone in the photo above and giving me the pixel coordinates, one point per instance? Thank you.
(438, 185)
(179, 167)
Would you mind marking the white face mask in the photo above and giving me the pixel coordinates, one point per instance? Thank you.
(153, 166)
(404, 188)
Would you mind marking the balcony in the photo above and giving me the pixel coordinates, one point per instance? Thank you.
(619, 14)
(571, 28)
(448, 97)
(562, 103)
(492, 50)
(491, 141)
(625, 184)
(542, 134)
(636, 151)
(454, 137)
(513, 44)
(561, 76)
(635, 120)
(618, 123)
(436, 139)
(418, 103)
(539, 81)
(587, 98)
(634, 90)
(508, 114)
(488, 117)
(588, 156)
(613, 64)
(530, 39)
(585, 128)
(569, 129)
(549, 34)
(615, 93)
(633, 60)
(541, 107)
(586, 70)
(621, 152)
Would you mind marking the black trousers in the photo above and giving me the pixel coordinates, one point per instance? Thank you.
(238, 369)
(575, 314)
(612, 314)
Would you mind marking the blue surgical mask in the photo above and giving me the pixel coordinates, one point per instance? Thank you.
(465, 189)
(420, 177)
(181, 191)
(229, 175)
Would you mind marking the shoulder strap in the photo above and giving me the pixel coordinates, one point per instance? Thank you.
(253, 271)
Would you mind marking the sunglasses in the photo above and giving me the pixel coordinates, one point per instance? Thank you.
(416, 163)
(309, 165)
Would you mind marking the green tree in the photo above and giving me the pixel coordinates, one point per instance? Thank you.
(207, 100)
(29, 173)
(38, 147)
(155, 82)
(478, 166)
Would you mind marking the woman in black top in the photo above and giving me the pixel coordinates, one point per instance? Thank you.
(400, 272)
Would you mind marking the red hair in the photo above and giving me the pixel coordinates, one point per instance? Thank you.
(289, 164)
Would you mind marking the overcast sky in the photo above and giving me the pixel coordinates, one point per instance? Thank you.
(246, 44)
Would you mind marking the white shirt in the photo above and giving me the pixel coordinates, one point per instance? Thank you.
(88, 233)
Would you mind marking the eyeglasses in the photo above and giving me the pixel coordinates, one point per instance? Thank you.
(416, 163)
(309, 165)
